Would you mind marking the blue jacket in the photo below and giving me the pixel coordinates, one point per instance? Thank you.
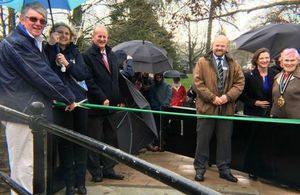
(26, 76)
(127, 69)
(76, 72)
(160, 94)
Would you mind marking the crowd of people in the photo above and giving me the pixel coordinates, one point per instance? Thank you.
(31, 71)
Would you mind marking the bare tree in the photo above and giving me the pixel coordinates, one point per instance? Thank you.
(195, 49)
(222, 10)
(2, 20)
(281, 14)
(11, 19)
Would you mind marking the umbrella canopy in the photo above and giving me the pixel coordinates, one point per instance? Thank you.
(147, 57)
(275, 37)
(55, 4)
(174, 74)
(134, 130)
(183, 75)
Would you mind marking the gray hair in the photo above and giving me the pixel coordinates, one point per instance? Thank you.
(72, 30)
(37, 6)
(100, 26)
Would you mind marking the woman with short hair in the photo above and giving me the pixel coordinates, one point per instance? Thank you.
(286, 90)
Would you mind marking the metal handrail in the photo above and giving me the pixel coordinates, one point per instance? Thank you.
(12, 184)
(165, 176)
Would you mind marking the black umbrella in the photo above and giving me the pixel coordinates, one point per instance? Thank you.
(174, 74)
(275, 37)
(134, 130)
(183, 75)
(147, 57)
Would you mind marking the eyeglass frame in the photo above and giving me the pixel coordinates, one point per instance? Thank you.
(35, 19)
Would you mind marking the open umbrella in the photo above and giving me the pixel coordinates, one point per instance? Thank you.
(49, 4)
(134, 130)
(183, 75)
(147, 57)
(54, 4)
(275, 37)
(174, 74)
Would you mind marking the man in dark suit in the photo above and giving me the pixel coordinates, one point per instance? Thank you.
(103, 88)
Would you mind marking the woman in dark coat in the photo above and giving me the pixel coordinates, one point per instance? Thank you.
(257, 98)
(257, 94)
(71, 69)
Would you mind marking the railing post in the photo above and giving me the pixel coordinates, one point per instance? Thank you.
(39, 180)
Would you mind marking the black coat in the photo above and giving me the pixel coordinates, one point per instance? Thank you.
(102, 85)
(254, 90)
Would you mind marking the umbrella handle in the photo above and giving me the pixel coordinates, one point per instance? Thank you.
(56, 45)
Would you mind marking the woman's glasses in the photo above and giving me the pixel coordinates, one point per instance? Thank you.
(34, 20)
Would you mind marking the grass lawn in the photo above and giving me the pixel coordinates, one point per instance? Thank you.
(186, 82)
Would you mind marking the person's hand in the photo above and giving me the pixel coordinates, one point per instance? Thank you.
(262, 104)
(129, 57)
(106, 102)
(54, 38)
(121, 105)
(217, 101)
(224, 99)
(61, 59)
(70, 107)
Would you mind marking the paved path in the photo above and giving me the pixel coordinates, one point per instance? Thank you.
(136, 183)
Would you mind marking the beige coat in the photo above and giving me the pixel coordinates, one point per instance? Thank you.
(291, 107)
(206, 85)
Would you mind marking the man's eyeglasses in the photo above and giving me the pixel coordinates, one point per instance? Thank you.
(34, 20)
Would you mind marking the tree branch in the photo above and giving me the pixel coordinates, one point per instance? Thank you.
(285, 2)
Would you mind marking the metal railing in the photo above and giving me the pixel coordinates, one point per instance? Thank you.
(39, 125)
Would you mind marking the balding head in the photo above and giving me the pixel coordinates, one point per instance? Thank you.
(100, 27)
(220, 45)
(100, 36)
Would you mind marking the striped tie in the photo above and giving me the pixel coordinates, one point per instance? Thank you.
(220, 70)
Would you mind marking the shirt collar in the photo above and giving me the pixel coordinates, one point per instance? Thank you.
(37, 40)
(103, 51)
(216, 57)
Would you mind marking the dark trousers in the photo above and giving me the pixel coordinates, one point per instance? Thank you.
(205, 129)
(73, 157)
(100, 129)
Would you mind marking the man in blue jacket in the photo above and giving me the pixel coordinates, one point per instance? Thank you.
(26, 77)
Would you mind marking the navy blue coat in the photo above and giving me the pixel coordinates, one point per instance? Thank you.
(102, 85)
(76, 71)
(26, 76)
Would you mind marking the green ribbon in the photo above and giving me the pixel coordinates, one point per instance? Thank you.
(254, 119)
